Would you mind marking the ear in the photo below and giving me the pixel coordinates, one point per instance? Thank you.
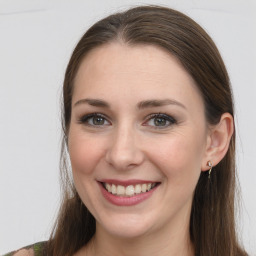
(218, 140)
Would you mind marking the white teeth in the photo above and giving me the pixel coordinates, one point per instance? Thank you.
(109, 187)
(144, 187)
(113, 189)
(129, 190)
(137, 188)
(120, 190)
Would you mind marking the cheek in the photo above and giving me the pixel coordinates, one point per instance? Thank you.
(179, 155)
(179, 160)
(85, 153)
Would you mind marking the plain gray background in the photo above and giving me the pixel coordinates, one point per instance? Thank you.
(36, 40)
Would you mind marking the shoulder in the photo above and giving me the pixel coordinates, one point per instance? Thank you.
(21, 252)
(31, 250)
(24, 252)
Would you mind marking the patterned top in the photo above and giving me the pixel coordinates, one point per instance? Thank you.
(33, 250)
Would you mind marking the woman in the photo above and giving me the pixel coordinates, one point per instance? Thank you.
(149, 131)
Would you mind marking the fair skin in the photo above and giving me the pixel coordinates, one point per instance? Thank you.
(138, 115)
(126, 143)
(129, 147)
(149, 126)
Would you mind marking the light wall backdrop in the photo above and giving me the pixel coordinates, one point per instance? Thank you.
(36, 41)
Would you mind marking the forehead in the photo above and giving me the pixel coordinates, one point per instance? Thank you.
(141, 70)
(120, 58)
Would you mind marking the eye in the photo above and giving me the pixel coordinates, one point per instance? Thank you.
(94, 119)
(160, 121)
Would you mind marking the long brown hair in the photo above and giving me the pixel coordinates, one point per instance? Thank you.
(212, 222)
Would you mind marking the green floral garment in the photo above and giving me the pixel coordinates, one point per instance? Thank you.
(38, 249)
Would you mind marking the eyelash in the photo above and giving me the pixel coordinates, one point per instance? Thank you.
(162, 116)
(87, 118)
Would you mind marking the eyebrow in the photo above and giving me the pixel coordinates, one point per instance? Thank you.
(158, 103)
(141, 105)
(93, 102)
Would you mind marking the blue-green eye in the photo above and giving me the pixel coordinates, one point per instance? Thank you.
(160, 121)
(94, 119)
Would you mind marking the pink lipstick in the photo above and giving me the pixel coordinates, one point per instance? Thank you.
(127, 193)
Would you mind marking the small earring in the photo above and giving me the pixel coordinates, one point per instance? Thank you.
(209, 163)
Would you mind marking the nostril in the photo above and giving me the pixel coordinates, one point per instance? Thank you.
(124, 158)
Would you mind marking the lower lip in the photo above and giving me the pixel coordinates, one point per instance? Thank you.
(126, 201)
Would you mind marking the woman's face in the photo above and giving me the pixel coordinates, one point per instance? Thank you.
(137, 125)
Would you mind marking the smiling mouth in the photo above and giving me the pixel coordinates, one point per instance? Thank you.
(130, 190)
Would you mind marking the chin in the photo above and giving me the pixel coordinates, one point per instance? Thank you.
(126, 227)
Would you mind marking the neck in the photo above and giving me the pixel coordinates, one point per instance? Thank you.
(160, 243)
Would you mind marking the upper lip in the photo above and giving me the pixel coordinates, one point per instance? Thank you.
(126, 182)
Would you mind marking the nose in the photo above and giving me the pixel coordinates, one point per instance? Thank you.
(124, 152)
